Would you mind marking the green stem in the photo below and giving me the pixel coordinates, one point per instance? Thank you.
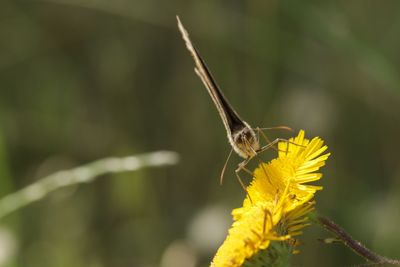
(83, 174)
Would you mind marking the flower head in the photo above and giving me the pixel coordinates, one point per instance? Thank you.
(278, 200)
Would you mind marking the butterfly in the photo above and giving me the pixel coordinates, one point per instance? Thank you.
(244, 139)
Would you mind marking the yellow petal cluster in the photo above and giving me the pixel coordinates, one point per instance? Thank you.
(278, 200)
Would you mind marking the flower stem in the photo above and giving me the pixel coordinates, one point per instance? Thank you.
(354, 244)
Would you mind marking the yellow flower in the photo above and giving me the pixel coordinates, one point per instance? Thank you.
(278, 200)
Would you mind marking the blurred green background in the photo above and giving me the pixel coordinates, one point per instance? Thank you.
(86, 79)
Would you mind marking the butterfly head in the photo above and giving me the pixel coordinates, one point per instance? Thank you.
(245, 142)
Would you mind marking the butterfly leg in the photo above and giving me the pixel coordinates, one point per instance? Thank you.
(266, 139)
(242, 166)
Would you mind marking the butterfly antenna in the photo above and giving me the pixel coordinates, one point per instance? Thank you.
(221, 179)
(282, 127)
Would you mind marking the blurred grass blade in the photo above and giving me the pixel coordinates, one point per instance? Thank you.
(83, 174)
